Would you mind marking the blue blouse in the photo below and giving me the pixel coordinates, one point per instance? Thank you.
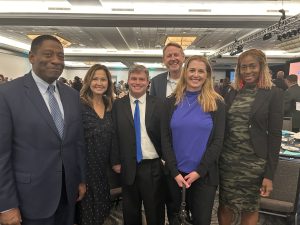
(191, 128)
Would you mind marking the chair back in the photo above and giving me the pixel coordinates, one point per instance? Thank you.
(287, 123)
(285, 187)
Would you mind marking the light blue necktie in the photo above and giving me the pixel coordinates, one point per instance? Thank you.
(55, 111)
(137, 127)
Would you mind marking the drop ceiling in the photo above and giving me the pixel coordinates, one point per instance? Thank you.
(124, 31)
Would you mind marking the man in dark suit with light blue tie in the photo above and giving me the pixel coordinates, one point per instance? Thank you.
(137, 120)
(41, 142)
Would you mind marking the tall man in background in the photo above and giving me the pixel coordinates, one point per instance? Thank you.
(279, 81)
(164, 84)
(41, 142)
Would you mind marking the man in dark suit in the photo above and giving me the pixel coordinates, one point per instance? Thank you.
(137, 120)
(279, 81)
(41, 142)
(164, 84)
(291, 100)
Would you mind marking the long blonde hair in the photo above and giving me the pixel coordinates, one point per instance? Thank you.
(264, 79)
(207, 97)
(86, 95)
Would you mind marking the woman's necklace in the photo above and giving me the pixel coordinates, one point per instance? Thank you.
(190, 103)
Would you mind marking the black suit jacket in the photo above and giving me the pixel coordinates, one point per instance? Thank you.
(291, 96)
(265, 124)
(208, 167)
(159, 85)
(125, 152)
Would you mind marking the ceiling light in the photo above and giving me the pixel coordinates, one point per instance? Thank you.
(289, 34)
(151, 65)
(267, 36)
(63, 41)
(238, 50)
(89, 64)
(184, 41)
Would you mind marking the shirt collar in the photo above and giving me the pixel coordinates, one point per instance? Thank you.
(142, 99)
(169, 79)
(42, 85)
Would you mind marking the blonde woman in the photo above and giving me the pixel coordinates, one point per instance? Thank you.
(97, 97)
(196, 115)
(252, 140)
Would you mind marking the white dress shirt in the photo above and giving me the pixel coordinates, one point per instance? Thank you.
(171, 85)
(148, 149)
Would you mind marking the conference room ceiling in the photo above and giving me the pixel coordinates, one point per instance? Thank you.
(128, 36)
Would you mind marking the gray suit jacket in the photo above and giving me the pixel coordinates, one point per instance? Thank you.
(291, 96)
(159, 85)
(32, 154)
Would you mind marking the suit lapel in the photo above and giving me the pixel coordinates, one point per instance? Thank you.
(259, 100)
(127, 109)
(149, 109)
(37, 99)
(164, 85)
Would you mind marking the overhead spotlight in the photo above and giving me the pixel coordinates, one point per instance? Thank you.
(284, 35)
(267, 36)
(279, 37)
(238, 50)
(232, 53)
(289, 34)
(294, 32)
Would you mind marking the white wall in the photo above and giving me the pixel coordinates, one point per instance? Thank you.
(219, 74)
(12, 65)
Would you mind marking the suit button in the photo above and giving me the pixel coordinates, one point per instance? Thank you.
(250, 126)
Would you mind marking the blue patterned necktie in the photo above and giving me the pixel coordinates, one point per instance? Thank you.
(137, 127)
(55, 111)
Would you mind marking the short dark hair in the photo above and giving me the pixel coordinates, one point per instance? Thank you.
(293, 78)
(38, 41)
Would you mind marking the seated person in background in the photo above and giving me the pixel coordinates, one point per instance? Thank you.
(291, 98)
